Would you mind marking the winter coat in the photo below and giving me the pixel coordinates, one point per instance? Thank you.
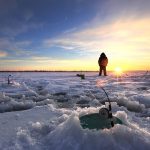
(103, 61)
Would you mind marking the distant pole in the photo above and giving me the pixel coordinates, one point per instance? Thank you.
(9, 79)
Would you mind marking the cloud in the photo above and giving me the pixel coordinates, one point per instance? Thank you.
(19, 27)
(117, 26)
(44, 63)
(40, 59)
(123, 39)
(123, 34)
(117, 9)
(3, 54)
(11, 43)
(17, 48)
(70, 30)
(17, 18)
(66, 43)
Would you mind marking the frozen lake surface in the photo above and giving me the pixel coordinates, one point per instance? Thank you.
(40, 111)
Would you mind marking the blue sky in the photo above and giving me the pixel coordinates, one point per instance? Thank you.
(70, 34)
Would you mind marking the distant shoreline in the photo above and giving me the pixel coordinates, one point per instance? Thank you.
(47, 71)
(69, 71)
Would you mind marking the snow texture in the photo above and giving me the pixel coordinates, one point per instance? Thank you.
(41, 111)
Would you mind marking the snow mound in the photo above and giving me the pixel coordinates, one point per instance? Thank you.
(68, 134)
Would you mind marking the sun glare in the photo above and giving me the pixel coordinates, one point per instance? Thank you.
(118, 70)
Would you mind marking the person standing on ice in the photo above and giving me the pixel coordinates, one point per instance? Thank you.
(102, 61)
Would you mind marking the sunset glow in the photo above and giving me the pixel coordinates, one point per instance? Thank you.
(118, 70)
(73, 36)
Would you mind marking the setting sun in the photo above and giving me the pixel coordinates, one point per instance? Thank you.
(118, 70)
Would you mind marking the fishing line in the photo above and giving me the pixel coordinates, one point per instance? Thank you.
(104, 112)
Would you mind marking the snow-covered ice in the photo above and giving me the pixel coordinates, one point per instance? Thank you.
(40, 111)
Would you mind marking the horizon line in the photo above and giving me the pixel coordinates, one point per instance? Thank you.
(62, 70)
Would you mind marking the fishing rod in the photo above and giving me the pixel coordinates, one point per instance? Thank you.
(105, 112)
(107, 98)
(106, 95)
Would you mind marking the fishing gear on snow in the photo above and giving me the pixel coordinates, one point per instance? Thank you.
(101, 120)
(82, 76)
(9, 79)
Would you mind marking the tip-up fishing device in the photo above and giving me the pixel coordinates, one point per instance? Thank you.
(103, 119)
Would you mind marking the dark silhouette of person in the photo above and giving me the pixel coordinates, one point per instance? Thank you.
(102, 61)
